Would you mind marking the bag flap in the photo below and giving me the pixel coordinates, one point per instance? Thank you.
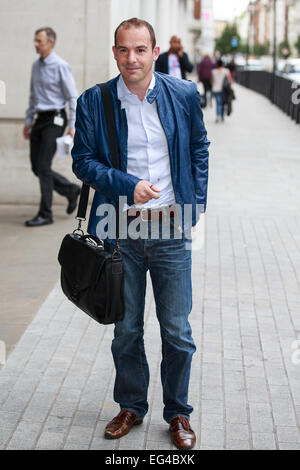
(81, 262)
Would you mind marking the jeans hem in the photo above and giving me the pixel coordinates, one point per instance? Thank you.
(133, 411)
(168, 420)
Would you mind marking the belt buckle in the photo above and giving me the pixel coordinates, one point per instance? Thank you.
(143, 211)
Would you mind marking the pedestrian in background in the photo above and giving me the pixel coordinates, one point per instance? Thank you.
(175, 61)
(232, 69)
(220, 79)
(204, 70)
(52, 86)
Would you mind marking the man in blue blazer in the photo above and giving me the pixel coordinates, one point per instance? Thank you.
(163, 164)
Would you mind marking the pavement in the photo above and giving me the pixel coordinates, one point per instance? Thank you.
(28, 268)
(56, 386)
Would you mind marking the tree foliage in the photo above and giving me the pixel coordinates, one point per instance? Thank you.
(297, 44)
(284, 46)
(223, 44)
(261, 49)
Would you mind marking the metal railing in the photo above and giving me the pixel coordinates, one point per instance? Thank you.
(280, 90)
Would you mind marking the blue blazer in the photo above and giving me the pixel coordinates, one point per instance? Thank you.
(178, 105)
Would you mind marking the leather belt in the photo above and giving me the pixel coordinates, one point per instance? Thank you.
(50, 111)
(151, 214)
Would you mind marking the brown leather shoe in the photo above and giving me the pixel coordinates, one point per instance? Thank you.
(182, 433)
(121, 424)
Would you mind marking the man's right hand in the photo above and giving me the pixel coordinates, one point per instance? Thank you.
(26, 131)
(180, 52)
(144, 191)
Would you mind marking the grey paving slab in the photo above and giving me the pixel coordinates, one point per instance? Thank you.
(264, 441)
(28, 267)
(237, 445)
(50, 440)
(291, 446)
(57, 384)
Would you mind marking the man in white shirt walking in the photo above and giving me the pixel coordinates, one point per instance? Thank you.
(52, 86)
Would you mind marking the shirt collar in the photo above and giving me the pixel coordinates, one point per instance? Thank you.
(49, 59)
(123, 90)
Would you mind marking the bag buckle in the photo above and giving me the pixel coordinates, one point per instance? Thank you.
(116, 251)
(79, 229)
(90, 240)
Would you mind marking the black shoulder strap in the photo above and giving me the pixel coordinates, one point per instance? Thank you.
(110, 123)
(112, 138)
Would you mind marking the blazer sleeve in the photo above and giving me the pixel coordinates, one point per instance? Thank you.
(186, 64)
(159, 64)
(87, 166)
(199, 145)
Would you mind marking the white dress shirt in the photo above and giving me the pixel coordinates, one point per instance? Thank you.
(147, 148)
(174, 66)
(52, 85)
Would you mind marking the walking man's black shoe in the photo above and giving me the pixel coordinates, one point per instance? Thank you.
(73, 200)
(38, 220)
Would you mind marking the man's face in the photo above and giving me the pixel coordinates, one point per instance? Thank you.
(134, 55)
(175, 44)
(43, 45)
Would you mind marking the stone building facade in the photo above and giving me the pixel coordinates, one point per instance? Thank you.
(85, 30)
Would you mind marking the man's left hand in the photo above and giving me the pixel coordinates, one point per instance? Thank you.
(71, 132)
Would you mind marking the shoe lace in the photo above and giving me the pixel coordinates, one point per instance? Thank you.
(121, 414)
(183, 422)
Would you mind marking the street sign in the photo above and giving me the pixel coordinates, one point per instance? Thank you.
(234, 42)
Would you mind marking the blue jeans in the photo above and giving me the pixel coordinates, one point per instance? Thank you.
(169, 263)
(220, 103)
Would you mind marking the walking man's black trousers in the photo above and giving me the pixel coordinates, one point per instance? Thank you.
(42, 149)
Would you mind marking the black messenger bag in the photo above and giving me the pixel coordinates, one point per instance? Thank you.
(91, 277)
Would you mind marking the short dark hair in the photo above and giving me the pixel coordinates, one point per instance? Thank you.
(220, 63)
(137, 23)
(51, 34)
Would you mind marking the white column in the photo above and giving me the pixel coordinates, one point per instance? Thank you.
(97, 43)
(297, 18)
(133, 9)
(207, 22)
(174, 15)
(148, 10)
(189, 36)
(280, 20)
(113, 20)
(182, 21)
(163, 24)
